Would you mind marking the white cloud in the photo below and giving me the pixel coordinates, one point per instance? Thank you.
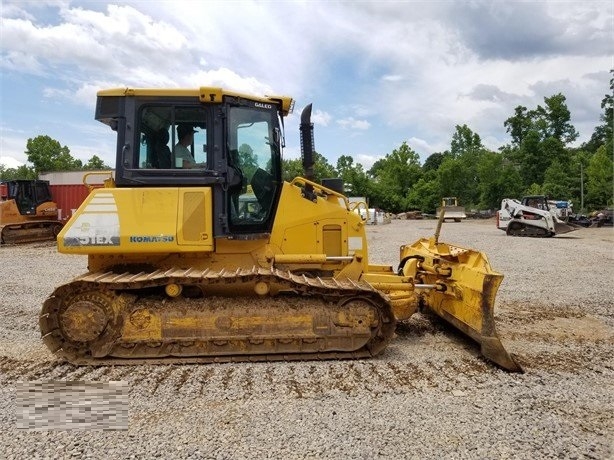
(21, 62)
(416, 70)
(66, 42)
(392, 78)
(422, 147)
(16, 8)
(228, 79)
(10, 162)
(128, 47)
(367, 160)
(119, 41)
(352, 123)
(318, 117)
(12, 145)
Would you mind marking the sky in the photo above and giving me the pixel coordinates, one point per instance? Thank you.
(378, 73)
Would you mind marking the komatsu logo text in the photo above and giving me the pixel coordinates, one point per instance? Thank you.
(152, 239)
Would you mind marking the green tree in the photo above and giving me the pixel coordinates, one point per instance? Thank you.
(291, 169)
(95, 163)
(464, 141)
(554, 119)
(248, 161)
(434, 160)
(539, 138)
(21, 172)
(607, 104)
(46, 154)
(603, 132)
(321, 169)
(519, 125)
(599, 179)
(459, 177)
(512, 153)
(498, 179)
(533, 165)
(577, 176)
(353, 175)
(458, 174)
(553, 149)
(533, 189)
(557, 181)
(393, 176)
(426, 194)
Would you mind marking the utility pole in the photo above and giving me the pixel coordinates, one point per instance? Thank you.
(581, 188)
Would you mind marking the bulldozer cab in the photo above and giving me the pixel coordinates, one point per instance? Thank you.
(449, 201)
(28, 194)
(235, 142)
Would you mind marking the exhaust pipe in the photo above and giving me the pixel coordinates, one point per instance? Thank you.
(307, 152)
(307, 144)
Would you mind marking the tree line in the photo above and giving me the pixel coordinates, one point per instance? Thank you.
(48, 155)
(537, 161)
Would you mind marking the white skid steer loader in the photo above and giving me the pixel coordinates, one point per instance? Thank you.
(531, 217)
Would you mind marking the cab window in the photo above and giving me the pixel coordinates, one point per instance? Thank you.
(160, 145)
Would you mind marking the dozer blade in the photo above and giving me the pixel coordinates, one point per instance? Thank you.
(562, 227)
(464, 293)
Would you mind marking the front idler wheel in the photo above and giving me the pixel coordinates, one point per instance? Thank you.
(83, 321)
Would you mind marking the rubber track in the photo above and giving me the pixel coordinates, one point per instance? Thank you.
(307, 287)
(528, 231)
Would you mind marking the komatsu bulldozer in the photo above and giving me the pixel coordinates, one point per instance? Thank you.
(531, 217)
(223, 261)
(27, 212)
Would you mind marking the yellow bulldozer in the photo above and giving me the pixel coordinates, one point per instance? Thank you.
(451, 209)
(180, 272)
(27, 212)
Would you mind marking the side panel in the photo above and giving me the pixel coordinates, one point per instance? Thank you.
(194, 225)
(141, 220)
(9, 214)
(322, 227)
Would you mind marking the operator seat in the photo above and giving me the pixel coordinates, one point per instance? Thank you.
(162, 150)
(264, 188)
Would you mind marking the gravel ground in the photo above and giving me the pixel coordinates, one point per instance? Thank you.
(430, 395)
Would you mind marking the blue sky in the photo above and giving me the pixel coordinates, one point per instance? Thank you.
(377, 72)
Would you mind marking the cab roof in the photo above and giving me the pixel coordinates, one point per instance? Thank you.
(206, 94)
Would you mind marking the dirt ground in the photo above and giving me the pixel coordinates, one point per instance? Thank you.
(429, 395)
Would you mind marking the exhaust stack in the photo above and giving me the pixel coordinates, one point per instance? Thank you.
(307, 144)
(307, 152)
